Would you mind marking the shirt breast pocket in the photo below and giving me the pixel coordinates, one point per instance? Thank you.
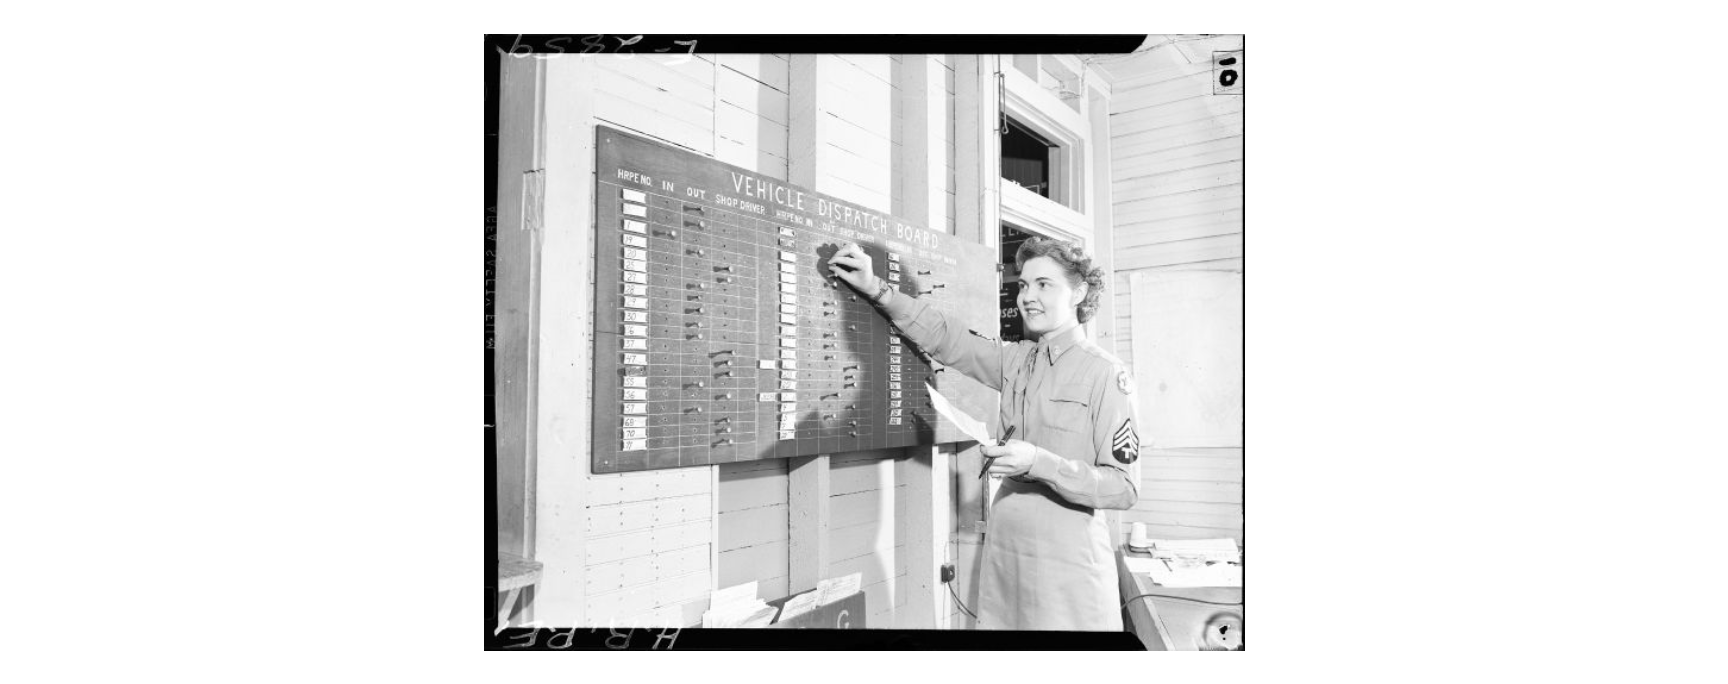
(1069, 410)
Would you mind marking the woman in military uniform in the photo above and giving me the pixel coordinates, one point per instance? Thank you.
(1049, 560)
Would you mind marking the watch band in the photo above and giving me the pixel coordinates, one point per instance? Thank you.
(881, 292)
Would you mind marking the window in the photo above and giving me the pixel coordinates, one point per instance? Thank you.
(1026, 158)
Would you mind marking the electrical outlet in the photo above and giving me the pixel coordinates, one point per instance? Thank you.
(947, 572)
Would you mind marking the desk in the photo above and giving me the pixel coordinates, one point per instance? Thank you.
(1174, 619)
(514, 572)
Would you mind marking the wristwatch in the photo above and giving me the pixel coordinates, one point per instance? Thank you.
(881, 291)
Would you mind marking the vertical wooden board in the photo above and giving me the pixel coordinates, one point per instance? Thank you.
(753, 489)
(769, 69)
(753, 563)
(879, 605)
(851, 477)
(748, 95)
(753, 526)
(752, 131)
(873, 568)
(863, 539)
(772, 588)
(856, 508)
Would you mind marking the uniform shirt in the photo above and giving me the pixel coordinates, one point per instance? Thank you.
(1065, 394)
(1049, 555)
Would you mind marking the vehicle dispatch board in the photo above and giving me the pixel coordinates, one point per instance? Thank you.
(720, 335)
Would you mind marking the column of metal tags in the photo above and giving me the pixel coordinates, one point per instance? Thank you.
(787, 391)
(633, 399)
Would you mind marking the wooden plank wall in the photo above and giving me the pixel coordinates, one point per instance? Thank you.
(646, 548)
(1177, 172)
(649, 554)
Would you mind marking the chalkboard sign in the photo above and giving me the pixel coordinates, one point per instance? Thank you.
(720, 336)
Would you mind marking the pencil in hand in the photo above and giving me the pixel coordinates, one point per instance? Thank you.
(999, 442)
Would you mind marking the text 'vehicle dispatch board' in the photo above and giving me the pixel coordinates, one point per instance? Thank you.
(720, 335)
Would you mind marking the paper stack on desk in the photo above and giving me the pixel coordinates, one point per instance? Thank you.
(1192, 563)
(738, 607)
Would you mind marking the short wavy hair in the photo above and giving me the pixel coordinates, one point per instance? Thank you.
(1074, 263)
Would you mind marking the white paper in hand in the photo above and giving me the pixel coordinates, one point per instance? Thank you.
(973, 427)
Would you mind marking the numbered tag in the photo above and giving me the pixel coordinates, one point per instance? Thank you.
(789, 330)
(788, 343)
(788, 256)
(636, 227)
(788, 385)
(635, 359)
(894, 350)
(894, 404)
(788, 287)
(791, 364)
(893, 256)
(635, 265)
(788, 375)
(894, 395)
(636, 330)
(788, 396)
(893, 266)
(636, 302)
(635, 290)
(634, 372)
(635, 210)
(788, 309)
(895, 412)
(789, 319)
(635, 433)
(633, 195)
(893, 369)
(786, 243)
(788, 279)
(635, 241)
(635, 421)
(894, 277)
(634, 277)
(634, 253)
(788, 408)
(788, 299)
(635, 409)
(635, 395)
(634, 445)
(893, 359)
(788, 268)
(788, 435)
(893, 421)
(767, 364)
(894, 376)
(636, 381)
(768, 397)
(787, 232)
(635, 343)
(635, 317)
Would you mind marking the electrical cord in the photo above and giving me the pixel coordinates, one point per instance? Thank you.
(956, 596)
(1182, 598)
